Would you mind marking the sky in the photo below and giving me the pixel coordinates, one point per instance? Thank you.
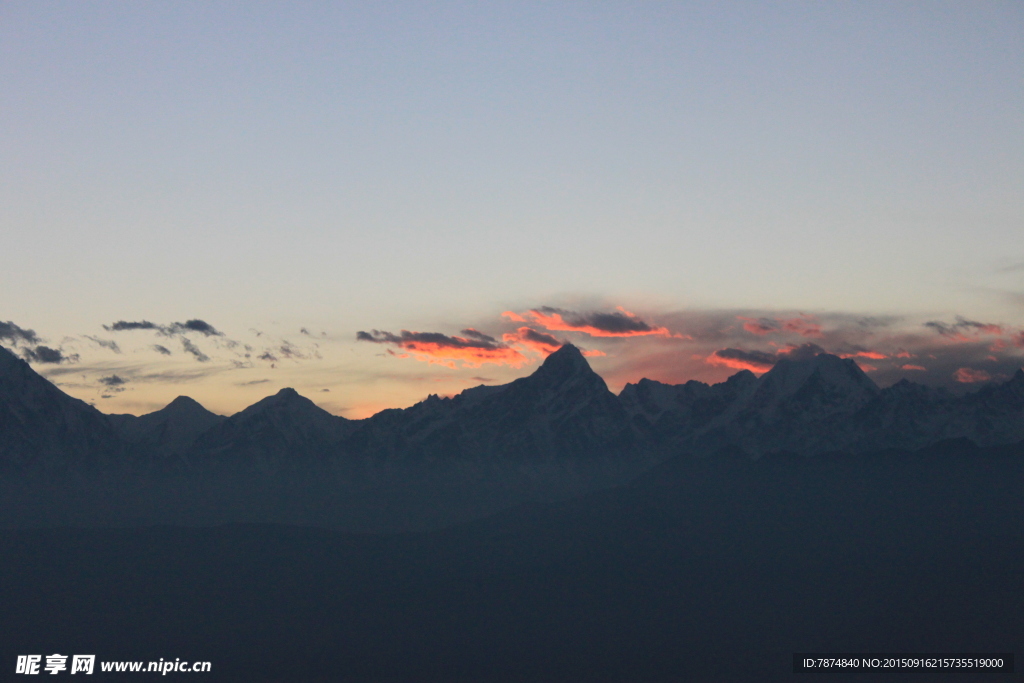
(372, 202)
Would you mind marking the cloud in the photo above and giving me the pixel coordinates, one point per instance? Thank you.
(191, 348)
(619, 323)
(251, 382)
(434, 347)
(123, 326)
(113, 381)
(971, 376)
(478, 335)
(760, 326)
(15, 335)
(539, 342)
(44, 354)
(873, 355)
(288, 351)
(267, 355)
(105, 343)
(195, 325)
(802, 352)
(804, 325)
(738, 359)
(918, 368)
(957, 329)
(161, 349)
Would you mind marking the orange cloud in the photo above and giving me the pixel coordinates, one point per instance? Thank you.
(759, 326)
(804, 325)
(472, 350)
(970, 375)
(757, 362)
(620, 323)
(912, 367)
(873, 355)
(538, 342)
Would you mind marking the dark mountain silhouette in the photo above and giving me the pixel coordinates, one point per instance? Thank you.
(273, 432)
(556, 433)
(44, 429)
(167, 432)
(564, 409)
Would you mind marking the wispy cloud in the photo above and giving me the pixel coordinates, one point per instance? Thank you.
(471, 350)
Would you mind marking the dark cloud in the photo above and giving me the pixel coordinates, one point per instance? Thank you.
(267, 355)
(191, 348)
(14, 334)
(963, 325)
(478, 335)
(482, 379)
(194, 325)
(530, 334)
(113, 381)
(161, 349)
(434, 347)
(288, 351)
(304, 331)
(754, 357)
(44, 354)
(105, 343)
(408, 339)
(251, 382)
(322, 390)
(123, 325)
(613, 323)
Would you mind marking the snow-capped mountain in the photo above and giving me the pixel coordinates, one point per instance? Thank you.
(167, 432)
(279, 430)
(41, 427)
(563, 410)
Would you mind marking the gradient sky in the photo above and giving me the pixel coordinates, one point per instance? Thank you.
(741, 178)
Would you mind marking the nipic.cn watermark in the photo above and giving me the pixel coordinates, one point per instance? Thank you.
(30, 665)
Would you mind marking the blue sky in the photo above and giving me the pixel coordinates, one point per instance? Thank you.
(269, 167)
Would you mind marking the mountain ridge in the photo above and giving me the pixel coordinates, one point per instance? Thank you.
(809, 404)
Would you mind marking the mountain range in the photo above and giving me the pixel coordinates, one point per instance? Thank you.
(554, 433)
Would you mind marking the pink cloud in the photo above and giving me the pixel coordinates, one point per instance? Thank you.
(970, 375)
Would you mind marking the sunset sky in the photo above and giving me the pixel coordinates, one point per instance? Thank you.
(372, 202)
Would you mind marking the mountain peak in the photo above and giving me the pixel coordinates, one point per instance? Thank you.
(184, 403)
(568, 356)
